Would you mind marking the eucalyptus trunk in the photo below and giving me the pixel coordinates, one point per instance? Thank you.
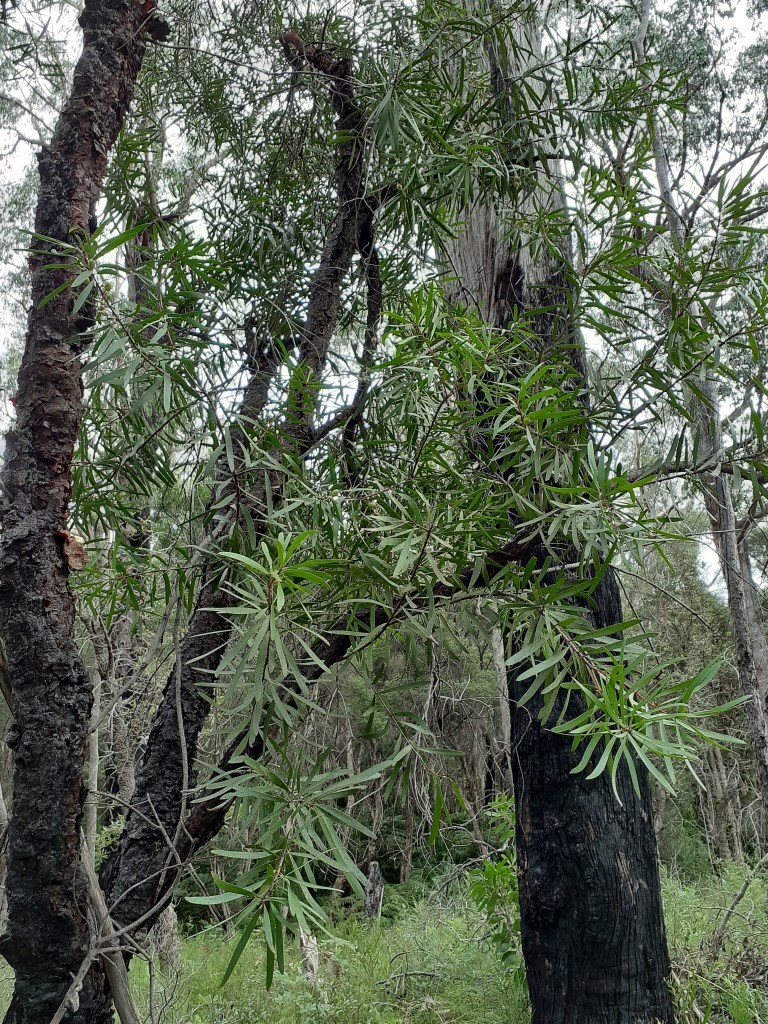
(49, 941)
(729, 534)
(744, 605)
(592, 926)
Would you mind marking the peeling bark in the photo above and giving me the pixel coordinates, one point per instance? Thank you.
(48, 894)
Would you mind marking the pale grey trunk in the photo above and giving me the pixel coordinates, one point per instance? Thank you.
(717, 816)
(165, 941)
(374, 892)
(747, 620)
(310, 957)
(743, 600)
(377, 819)
(505, 736)
(92, 795)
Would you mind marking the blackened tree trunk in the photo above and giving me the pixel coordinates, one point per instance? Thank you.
(590, 899)
(142, 871)
(161, 832)
(48, 940)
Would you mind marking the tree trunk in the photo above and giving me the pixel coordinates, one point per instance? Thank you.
(590, 899)
(747, 620)
(730, 536)
(377, 818)
(48, 937)
(310, 957)
(165, 941)
(592, 926)
(374, 892)
(161, 832)
(406, 855)
(505, 739)
(90, 818)
(718, 793)
(3, 862)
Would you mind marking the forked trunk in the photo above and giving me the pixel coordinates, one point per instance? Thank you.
(162, 828)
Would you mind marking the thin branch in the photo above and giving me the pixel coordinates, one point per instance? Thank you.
(719, 933)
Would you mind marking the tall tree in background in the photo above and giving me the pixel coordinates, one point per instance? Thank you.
(716, 320)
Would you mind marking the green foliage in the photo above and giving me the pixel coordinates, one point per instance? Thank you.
(722, 986)
(470, 435)
(494, 890)
(464, 439)
(372, 974)
(106, 837)
(298, 817)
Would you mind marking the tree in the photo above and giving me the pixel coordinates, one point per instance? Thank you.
(461, 463)
(48, 931)
(583, 927)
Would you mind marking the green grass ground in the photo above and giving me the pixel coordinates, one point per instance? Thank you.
(430, 962)
(433, 964)
(429, 966)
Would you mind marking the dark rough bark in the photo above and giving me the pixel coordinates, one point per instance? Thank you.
(590, 899)
(145, 863)
(592, 921)
(592, 926)
(48, 935)
(144, 866)
(160, 832)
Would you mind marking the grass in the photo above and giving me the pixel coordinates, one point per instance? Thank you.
(428, 967)
(727, 986)
(430, 962)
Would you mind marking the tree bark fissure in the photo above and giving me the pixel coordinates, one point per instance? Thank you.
(590, 894)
